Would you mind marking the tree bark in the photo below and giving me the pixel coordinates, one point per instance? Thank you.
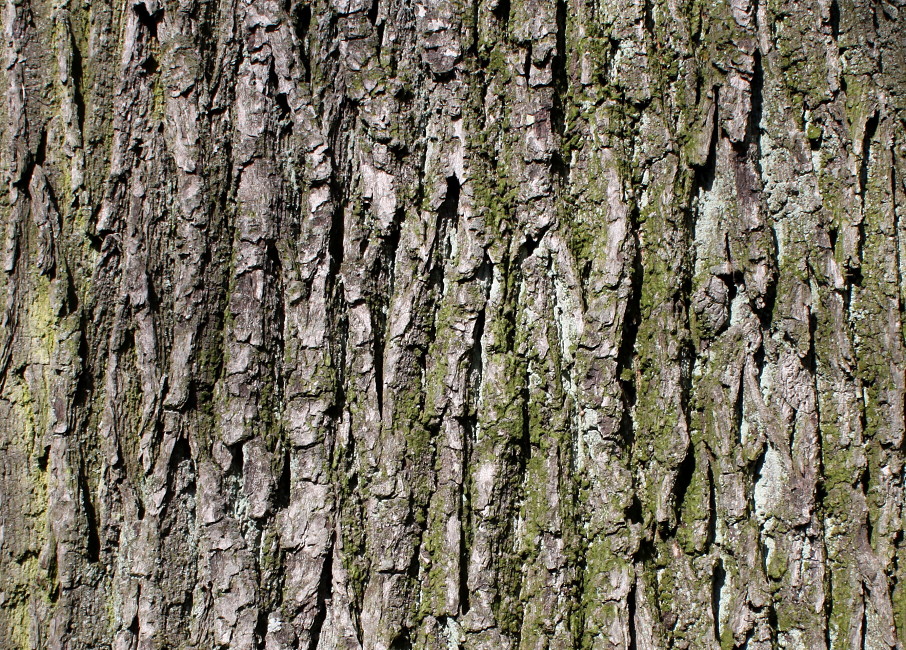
(432, 324)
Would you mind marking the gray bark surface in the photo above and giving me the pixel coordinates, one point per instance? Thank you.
(440, 324)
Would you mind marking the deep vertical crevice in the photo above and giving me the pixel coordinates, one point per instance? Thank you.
(630, 615)
(865, 484)
(283, 108)
(705, 174)
(261, 629)
(465, 526)
(739, 407)
(632, 318)
(84, 387)
(301, 20)
(92, 539)
(284, 482)
(335, 242)
(755, 116)
(401, 641)
(32, 161)
(828, 609)
(377, 355)
(648, 17)
(501, 11)
(179, 455)
(634, 512)
(148, 20)
(558, 67)
(134, 624)
(449, 209)
(384, 282)
(834, 19)
(717, 584)
(237, 460)
(444, 228)
(77, 74)
(325, 592)
(525, 440)
(391, 245)
(712, 508)
(684, 476)
(476, 362)
(871, 127)
(373, 13)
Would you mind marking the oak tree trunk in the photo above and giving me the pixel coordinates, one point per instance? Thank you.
(435, 324)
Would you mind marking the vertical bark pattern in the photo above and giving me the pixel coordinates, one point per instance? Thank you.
(432, 324)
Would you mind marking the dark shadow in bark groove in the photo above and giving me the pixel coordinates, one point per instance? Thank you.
(261, 629)
(149, 65)
(634, 512)
(865, 484)
(325, 591)
(384, 272)
(449, 209)
(148, 20)
(401, 642)
(684, 475)
(84, 388)
(284, 483)
(717, 584)
(631, 606)
(834, 19)
(864, 629)
(476, 360)
(648, 17)
(233, 475)
(712, 509)
(283, 109)
(92, 540)
(464, 553)
(558, 66)
(445, 222)
(828, 610)
(301, 21)
(31, 161)
(510, 568)
(757, 89)
(134, 625)
(378, 361)
(502, 11)
(705, 174)
(77, 77)
(871, 127)
(765, 314)
(335, 241)
(632, 318)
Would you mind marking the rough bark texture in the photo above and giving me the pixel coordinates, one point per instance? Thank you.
(434, 324)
